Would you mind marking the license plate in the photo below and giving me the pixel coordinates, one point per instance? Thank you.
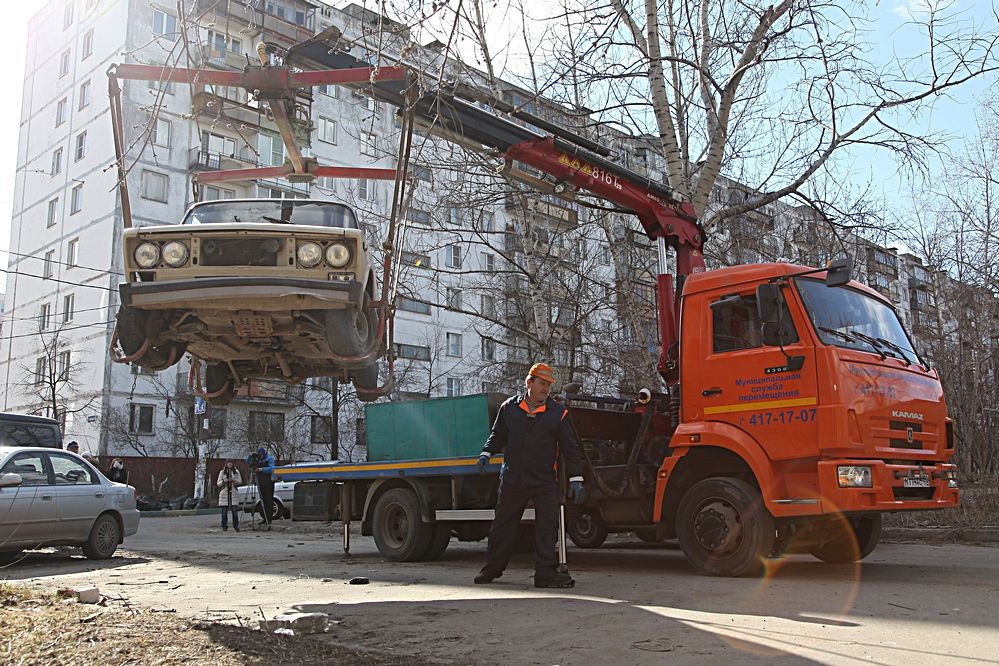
(916, 481)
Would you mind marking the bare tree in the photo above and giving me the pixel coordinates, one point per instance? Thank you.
(54, 376)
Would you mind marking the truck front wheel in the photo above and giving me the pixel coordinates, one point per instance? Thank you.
(400, 534)
(854, 539)
(724, 528)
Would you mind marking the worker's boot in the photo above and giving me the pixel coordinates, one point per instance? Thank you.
(486, 577)
(553, 579)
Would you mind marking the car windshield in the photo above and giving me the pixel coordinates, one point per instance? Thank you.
(273, 211)
(849, 318)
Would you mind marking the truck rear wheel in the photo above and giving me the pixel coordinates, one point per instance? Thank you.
(217, 378)
(585, 531)
(438, 542)
(400, 534)
(855, 539)
(724, 528)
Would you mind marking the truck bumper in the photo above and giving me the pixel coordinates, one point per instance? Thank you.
(258, 293)
(888, 491)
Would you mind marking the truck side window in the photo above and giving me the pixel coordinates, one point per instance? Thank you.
(737, 325)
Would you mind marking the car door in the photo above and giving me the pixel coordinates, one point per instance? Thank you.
(80, 494)
(28, 513)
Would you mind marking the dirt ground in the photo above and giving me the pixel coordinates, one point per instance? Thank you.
(634, 603)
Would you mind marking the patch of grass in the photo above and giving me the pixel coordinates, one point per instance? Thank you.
(979, 507)
(37, 627)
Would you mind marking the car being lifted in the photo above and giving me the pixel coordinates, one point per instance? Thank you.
(275, 288)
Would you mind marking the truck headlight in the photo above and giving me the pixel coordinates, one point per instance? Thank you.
(309, 254)
(854, 476)
(337, 255)
(175, 254)
(147, 255)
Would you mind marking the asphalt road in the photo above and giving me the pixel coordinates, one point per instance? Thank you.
(633, 603)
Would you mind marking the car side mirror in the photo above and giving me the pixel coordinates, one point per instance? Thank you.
(768, 302)
(840, 272)
(8, 480)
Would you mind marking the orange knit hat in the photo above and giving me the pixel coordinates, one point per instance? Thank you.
(542, 371)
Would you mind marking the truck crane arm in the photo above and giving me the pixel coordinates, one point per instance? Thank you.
(483, 124)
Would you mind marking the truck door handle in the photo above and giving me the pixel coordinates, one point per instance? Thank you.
(711, 391)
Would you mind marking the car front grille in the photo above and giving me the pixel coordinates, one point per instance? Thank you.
(240, 251)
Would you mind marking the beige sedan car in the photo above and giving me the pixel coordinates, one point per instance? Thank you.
(51, 497)
(277, 288)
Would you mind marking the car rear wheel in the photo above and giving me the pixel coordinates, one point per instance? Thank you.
(585, 531)
(352, 331)
(104, 538)
(277, 509)
(219, 378)
(133, 329)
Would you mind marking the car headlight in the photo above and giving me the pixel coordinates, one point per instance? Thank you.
(175, 254)
(854, 476)
(309, 254)
(337, 255)
(147, 255)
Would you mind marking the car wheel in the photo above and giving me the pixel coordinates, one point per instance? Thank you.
(218, 377)
(104, 538)
(724, 528)
(277, 509)
(133, 326)
(366, 379)
(351, 332)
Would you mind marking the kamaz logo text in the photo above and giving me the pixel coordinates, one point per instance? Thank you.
(915, 416)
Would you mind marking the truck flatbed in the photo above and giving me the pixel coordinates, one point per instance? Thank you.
(338, 471)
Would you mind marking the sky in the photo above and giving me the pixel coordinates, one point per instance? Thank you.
(954, 115)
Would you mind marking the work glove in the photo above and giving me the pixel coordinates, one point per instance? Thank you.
(483, 461)
(576, 492)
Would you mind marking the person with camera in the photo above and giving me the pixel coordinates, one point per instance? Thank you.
(117, 472)
(228, 482)
(259, 461)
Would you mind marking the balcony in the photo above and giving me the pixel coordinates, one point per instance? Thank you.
(203, 160)
(216, 106)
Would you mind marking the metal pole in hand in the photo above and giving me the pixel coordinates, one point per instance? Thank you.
(345, 500)
(563, 560)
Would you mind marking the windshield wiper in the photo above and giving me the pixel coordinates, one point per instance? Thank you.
(275, 220)
(845, 336)
(901, 352)
(872, 342)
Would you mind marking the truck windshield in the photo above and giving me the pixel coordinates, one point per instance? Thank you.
(850, 318)
(273, 211)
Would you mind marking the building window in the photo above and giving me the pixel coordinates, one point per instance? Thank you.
(49, 266)
(45, 317)
(327, 130)
(61, 111)
(155, 186)
(160, 132)
(452, 254)
(453, 387)
(321, 430)
(454, 344)
(420, 217)
(67, 15)
(217, 144)
(488, 262)
(216, 422)
(62, 365)
(53, 213)
(454, 298)
(488, 221)
(417, 260)
(487, 306)
(56, 162)
(84, 95)
(164, 24)
(72, 251)
(64, 61)
(605, 256)
(369, 144)
(91, 4)
(409, 305)
(41, 370)
(266, 427)
(88, 45)
(421, 172)
(140, 419)
(330, 90)
(76, 199)
(412, 352)
(68, 307)
(81, 145)
(488, 349)
(366, 189)
(212, 193)
(271, 149)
